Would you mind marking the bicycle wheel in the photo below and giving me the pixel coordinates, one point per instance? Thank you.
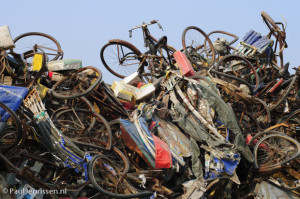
(293, 117)
(275, 104)
(260, 135)
(279, 35)
(35, 154)
(10, 129)
(239, 67)
(221, 34)
(275, 149)
(36, 40)
(77, 84)
(270, 23)
(107, 179)
(120, 58)
(95, 146)
(261, 113)
(80, 123)
(54, 106)
(198, 47)
(80, 103)
(232, 79)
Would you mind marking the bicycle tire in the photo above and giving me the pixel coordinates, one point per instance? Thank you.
(263, 133)
(233, 57)
(269, 21)
(242, 81)
(77, 103)
(59, 51)
(63, 92)
(272, 108)
(16, 127)
(84, 102)
(266, 109)
(262, 144)
(133, 55)
(225, 33)
(193, 59)
(114, 155)
(279, 34)
(285, 119)
(69, 110)
(90, 130)
(113, 174)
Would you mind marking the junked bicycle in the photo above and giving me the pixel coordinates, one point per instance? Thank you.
(103, 174)
(121, 58)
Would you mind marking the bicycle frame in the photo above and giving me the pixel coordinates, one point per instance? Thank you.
(148, 38)
(157, 54)
(151, 42)
(278, 33)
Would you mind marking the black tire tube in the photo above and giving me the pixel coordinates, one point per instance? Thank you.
(112, 195)
(60, 96)
(275, 135)
(247, 62)
(60, 52)
(285, 94)
(105, 123)
(207, 39)
(120, 42)
(250, 86)
(16, 121)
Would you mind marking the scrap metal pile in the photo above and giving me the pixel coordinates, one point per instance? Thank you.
(209, 121)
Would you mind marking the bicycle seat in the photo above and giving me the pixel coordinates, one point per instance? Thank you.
(161, 42)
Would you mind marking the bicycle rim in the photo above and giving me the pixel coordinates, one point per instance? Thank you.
(78, 84)
(198, 47)
(240, 67)
(79, 123)
(45, 42)
(120, 58)
(11, 130)
(106, 178)
(275, 149)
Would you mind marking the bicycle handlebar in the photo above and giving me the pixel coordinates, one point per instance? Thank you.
(145, 25)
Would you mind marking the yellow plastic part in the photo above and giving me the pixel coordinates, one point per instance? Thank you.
(37, 62)
(42, 90)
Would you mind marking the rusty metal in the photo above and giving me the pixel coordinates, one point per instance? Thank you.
(260, 102)
(157, 187)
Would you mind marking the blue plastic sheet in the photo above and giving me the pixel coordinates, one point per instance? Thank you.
(132, 131)
(222, 165)
(12, 97)
(251, 37)
(156, 152)
(255, 39)
(230, 165)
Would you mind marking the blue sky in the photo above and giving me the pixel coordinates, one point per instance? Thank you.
(83, 27)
